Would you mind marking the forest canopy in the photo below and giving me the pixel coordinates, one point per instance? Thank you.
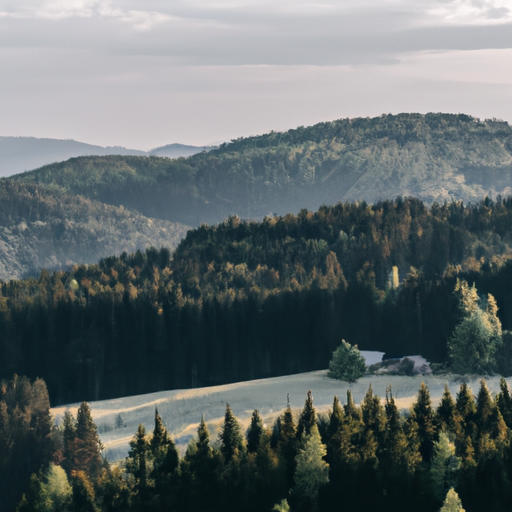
(243, 300)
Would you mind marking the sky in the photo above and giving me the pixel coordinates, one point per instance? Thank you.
(144, 73)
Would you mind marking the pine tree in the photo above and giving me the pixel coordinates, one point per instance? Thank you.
(88, 445)
(452, 503)
(347, 363)
(351, 410)
(312, 472)
(84, 497)
(334, 443)
(160, 439)
(287, 445)
(423, 417)
(165, 462)
(504, 402)
(478, 337)
(307, 418)
(137, 464)
(254, 432)
(69, 437)
(444, 468)
(446, 411)
(466, 409)
(230, 436)
(484, 409)
(200, 472)
(374, 417)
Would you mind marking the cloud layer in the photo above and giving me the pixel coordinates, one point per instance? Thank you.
(197, 71)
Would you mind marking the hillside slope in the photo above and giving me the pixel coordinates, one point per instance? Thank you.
(39, 228)
(435, 157)
(182, 410)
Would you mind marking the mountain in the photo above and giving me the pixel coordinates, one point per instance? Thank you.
(177, 150)
(18, 154)
(41, 228)
(435, 157)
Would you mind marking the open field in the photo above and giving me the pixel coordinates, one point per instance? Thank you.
(181, 410)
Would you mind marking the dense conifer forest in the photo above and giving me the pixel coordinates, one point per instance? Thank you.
(434, 157)
(356, 457)
(244, 300)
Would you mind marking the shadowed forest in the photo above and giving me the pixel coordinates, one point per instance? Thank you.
(244, 300)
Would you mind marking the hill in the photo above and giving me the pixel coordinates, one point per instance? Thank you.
(19, 154)
(43, 229)
(435, 157)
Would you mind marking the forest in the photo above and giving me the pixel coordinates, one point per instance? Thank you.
(355, 457)
(243, 300)
(435, 157)
(40, 229)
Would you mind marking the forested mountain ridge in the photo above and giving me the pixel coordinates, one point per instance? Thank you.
(245, 300)
(435, 157)
(19, 154)
(48, 229)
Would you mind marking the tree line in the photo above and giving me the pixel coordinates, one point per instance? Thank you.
(355, 457)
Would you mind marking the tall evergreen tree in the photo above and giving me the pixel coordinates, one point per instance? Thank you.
(88, 446)
(423, 417)
(307, 417)
(504, 402)
(446, 412)
(137, 465)
(312, 472)
(444, 468)
(230, 436)
(254, 432)
(287, 445)
(484, 409)
(466, 409)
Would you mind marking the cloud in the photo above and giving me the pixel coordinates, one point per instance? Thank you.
(197, 70)
(473, 12)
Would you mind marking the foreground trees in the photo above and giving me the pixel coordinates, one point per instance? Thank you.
(371, 454)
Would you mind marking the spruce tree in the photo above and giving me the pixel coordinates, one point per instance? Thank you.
(137, 464)
(88, 446)
(69, 437)
(307, 418)
(351, 410)
(444, 468)
(484, 409)
(374, 417)
(254, 432)
(504, 402)
(165, 462)
(423, 417)
(446, 411)
(230, 436)
(466, 409)
(160, 439)
(287, 445)
(312, 472)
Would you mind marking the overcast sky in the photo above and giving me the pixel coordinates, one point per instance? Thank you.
(143, 73)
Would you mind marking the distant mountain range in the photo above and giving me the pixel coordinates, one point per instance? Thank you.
(19, 154)
(435, 157)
